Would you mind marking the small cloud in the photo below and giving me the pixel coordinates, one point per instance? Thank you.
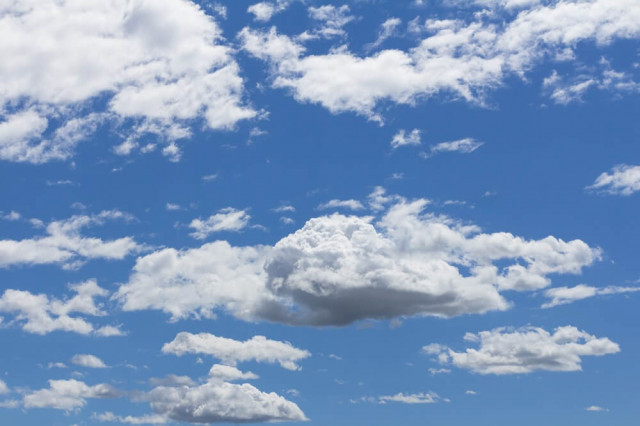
(88, 361)
(471, 392)
(462, 146)
(172, 207)
(341, 204)
(403, 139)
(209, 178)
(596, 408)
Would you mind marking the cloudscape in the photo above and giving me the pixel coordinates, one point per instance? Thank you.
(356, 212)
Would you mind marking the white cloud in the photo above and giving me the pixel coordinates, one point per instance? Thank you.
(133, 420)
(228, 373)
(68, 395)
(622, 180)
(416, 398)
(596, 408)
(403, 139)
(341, 204)
(229, 351)
(339, 269)
(525, 350)
(110, 331)
(172, 380)
(332, 20)
(388, 29)
(470, 392)
(434, 371)
(4, 389)
(458, 59)
(565, 295)
(463, 146)
(41, 314)
(63, 244)
(158, 66)
(265, 10)
(220, 402)
(227, 219)
(88, 360)
(172, 207)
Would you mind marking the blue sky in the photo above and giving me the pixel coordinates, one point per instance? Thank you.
(363, 212)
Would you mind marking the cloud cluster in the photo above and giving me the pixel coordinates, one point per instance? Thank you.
(41, 314)
(461, 59)
(157, 66)
(525, 350)
(64, 244)
(339, 269)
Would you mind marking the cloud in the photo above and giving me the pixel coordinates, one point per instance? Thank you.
(470, 392)
(264, 10)
(228, 373)
(565, 295)
(457, 59)
(220, 402)
(596, 408)
(332, 20)
(157, 67)
(403, 398)
(388, 29)
(63, 244)
(229, 351)
(227, 219)
(525, 350)
(622, 180)
(463, 146)
(139, 420)
(41, 314)
(339, 269)
(88, 360)
(341, 204)
(4, 389)
(402, 139)
(110, 331)
(68, 395)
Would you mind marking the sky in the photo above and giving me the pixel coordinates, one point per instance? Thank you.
(356, 212)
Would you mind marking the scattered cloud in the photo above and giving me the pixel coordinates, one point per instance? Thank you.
(258, 348)
(403, 139)
(63, 244)
(622, 180)
(341, 204)
(227, 219)
(88, 360)
(41, 314)
(596, 408)
(463, 146)
(525, 350)
(565, 295)
(68, 395)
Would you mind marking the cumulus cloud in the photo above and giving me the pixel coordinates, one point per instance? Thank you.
(525, 350)
(64, 244)
(459, 59)
(228, 373)
(339, 269)
(227, 219)
(622, 180)
(68, 395)
(565, 295)
(332, 19)
(133, 420)
(403, 139)
(221, 402)
(229, 351)
(41, 314)
(88, 360)
(388, 29)
(156, 66)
